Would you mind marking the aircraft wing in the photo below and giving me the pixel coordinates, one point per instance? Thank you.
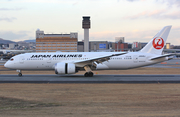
(98, 60)
(161, 56)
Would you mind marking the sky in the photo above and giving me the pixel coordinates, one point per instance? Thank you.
(136, 20)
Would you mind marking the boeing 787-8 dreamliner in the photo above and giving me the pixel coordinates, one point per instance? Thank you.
(72, 62)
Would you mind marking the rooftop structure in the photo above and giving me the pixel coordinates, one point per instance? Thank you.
(56, 42)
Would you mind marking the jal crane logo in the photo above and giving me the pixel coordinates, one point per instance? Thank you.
(158, 43)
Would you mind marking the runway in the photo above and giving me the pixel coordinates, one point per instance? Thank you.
(95, 79)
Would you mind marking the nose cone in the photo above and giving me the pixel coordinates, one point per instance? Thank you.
(7, 65)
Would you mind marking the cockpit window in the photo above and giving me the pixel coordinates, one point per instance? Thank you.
(11, 59)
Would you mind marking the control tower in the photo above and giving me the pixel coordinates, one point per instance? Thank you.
(86, 26)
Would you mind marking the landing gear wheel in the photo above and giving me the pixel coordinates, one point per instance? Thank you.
(20, 74)
(88, 74)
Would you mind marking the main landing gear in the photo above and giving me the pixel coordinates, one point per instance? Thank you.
(19, 73)
(88, 71)
(88, 74)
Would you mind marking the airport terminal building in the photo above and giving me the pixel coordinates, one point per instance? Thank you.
(56, 42)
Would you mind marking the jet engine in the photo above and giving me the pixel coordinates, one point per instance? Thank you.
(65, 68)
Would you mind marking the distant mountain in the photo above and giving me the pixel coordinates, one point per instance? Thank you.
(33, 40)
(3, 41)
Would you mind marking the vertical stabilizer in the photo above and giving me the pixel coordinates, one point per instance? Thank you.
(157, 43)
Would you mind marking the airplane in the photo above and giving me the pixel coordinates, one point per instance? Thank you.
(7, 54)
(72, 62)
(5, 51)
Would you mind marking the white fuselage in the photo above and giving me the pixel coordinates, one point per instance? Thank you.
(47, 61)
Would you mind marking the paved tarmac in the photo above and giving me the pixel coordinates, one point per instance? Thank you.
(95, 79)
(2, 62)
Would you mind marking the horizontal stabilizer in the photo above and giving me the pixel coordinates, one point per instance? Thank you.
(161, 56)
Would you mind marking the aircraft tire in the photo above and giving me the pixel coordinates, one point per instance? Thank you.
(88, 74)
(20, 74)
(91, 74)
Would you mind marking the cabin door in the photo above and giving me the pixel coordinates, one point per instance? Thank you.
(135, 58)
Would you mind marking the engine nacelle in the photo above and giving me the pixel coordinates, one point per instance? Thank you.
(65, 68)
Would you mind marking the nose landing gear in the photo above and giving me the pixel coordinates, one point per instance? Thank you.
(19, 73)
